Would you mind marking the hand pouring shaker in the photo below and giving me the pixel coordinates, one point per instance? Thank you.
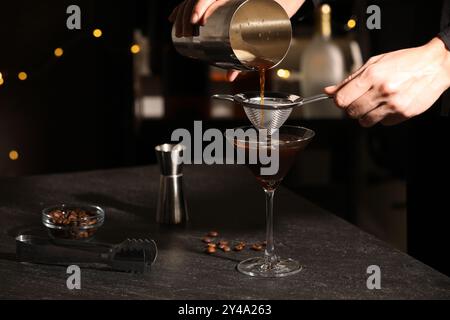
(171, 207)
(243, 35)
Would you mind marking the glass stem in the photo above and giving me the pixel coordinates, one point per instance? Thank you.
(270, 256)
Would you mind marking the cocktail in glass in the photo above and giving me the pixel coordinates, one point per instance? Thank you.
(287, 141)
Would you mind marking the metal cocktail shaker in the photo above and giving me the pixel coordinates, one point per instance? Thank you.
(171, 207)
(241, 34)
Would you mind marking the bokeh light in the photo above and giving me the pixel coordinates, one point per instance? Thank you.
(283, 73)
(97, 33)
(351, 23)
(135, 49)
(13, 155)
(59, 52)
(22, 76)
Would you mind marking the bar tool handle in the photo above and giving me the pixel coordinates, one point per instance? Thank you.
(41, 250)
(316, 98)
(225, 97)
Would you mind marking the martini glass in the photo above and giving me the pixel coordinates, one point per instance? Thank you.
(287, 141)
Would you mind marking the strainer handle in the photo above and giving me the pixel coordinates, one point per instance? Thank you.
(316, 98)
(226, 97)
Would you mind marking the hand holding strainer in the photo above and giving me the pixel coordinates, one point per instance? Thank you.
(275, 110)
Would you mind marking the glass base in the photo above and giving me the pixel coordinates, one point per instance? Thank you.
(259, 267)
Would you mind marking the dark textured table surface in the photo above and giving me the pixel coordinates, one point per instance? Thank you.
(334, 253)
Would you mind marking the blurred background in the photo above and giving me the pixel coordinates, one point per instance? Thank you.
(105, 95)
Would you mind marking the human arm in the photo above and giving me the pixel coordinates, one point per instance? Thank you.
(395, 86)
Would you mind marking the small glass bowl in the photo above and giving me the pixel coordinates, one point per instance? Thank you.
(74, 222)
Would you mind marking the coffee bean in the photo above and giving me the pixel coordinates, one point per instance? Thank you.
(242, 244)
(83, 234)
(56, 214)
(257, 247)
(213, 234)
(207, 240)
(210, 250)
(223, 242)
(212, 245)
(226, 249)
(74, 218)
(238, 248)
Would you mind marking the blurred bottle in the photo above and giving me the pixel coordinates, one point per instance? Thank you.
(322, 64)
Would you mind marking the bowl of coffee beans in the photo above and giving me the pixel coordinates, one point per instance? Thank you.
(75, 222)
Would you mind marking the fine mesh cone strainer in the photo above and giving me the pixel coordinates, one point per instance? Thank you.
(275, 110)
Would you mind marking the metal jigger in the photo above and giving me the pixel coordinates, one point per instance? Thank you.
(172, 208)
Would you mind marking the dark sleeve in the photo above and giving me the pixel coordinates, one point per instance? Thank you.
(445, 36)
(445, 24)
